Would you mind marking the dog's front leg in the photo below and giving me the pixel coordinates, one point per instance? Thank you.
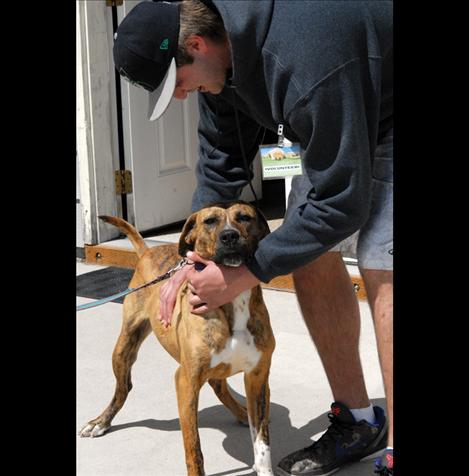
(187, 389)
(258, 404)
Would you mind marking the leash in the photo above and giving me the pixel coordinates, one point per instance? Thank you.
(164, 276)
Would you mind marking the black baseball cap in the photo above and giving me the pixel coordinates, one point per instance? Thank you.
(145, 47)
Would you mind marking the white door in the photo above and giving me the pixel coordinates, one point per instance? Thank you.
(161, 155)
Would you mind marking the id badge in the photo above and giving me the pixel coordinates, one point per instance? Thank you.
(280, 160)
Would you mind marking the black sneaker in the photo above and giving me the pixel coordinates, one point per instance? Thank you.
(345, 441)
(384, 465)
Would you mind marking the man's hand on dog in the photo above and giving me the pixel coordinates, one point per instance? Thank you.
(212, 287)
(168, 295)
(216, 284)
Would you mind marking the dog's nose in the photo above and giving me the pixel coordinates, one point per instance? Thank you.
(229, 237)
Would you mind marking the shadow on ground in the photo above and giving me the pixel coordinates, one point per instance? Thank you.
(284, 437)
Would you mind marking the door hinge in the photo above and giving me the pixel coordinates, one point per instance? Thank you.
(114, 3)
(123, 179)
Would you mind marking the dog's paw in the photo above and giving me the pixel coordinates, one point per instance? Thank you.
(91, 430)
(242, 416)
(243, 422)
(263, 471)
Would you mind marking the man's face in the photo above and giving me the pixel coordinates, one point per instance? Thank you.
(206, 74)
(189, 78)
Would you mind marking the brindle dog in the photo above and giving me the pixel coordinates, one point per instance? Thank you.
(236, 337)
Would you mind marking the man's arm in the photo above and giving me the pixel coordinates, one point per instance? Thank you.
(337, 122)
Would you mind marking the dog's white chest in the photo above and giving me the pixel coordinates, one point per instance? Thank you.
(240, 351)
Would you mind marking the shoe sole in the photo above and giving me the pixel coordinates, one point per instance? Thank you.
(280, 472)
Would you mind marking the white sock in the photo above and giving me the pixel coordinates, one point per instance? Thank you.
(367, 414)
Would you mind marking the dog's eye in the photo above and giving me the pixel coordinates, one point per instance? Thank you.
(246, 218)
(211, 220)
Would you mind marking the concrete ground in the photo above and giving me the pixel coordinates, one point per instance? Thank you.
(145, 438)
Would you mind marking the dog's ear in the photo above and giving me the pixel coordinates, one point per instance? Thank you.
(264, 229)
(187, 238)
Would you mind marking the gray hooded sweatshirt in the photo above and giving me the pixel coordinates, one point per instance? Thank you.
(324, 70)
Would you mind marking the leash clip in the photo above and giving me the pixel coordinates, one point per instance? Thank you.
(179, 266)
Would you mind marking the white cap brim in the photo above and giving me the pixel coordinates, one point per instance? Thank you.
(159, 99)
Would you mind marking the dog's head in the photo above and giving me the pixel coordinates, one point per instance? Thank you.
(227, 232)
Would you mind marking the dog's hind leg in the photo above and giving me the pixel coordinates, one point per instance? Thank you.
(222, 391)
(123, 357)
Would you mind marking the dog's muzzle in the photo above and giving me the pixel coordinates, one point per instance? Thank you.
(231, 249)
(229, 238)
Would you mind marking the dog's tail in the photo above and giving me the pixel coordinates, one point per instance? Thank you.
(131, 232)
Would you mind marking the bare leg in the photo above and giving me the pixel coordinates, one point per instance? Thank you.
(379, 289)
(331, 313)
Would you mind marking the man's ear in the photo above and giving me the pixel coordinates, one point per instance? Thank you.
(187, 238)
(196, 44)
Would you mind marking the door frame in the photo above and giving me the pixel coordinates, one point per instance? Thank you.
(97, 141)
